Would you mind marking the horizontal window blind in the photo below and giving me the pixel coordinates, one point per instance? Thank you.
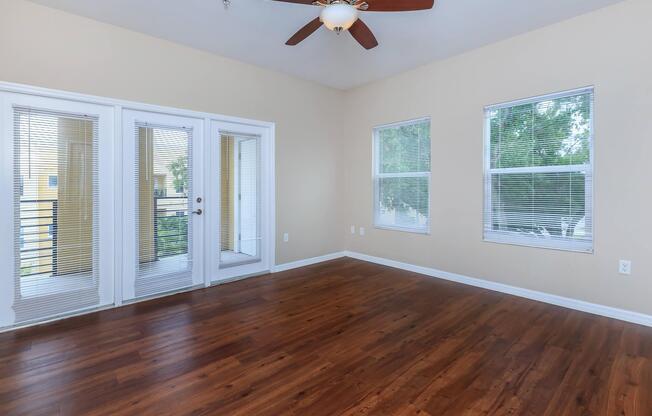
(402, 176)
(163, 190)
(539, 173)
(56, 220)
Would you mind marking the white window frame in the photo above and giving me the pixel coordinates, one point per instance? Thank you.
(377, 176)
(514, 238)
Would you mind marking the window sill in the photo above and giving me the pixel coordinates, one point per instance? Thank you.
(422, 231)
(541, 243)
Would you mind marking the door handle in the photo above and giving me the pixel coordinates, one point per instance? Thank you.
(198, 212)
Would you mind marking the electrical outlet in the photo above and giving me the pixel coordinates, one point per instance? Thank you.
(286, 237)
(625, 267)
(361, 230)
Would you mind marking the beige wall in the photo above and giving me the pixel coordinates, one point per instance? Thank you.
(45, 47)
(609, 49)
(324, 177)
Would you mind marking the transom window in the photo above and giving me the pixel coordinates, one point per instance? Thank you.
(539, 172)
(402, 176)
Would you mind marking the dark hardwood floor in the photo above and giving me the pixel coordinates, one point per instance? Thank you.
(339, 338)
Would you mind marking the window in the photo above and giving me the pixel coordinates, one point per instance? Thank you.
(539, 172)
(47, 142)
(56, 231)
(164, 227)
(402, 176)
(240, 224)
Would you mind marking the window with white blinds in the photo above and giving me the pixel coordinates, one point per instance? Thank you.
(163, 183)
(539, 172)
(402, 176)
(55, 212)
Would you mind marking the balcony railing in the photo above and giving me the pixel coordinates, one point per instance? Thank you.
(38, 232)
(170, 226)
(38, 237)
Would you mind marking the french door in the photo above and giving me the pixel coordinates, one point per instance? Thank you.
(58, 205)
(240, 210)
(191, 216)
(98, 213)
(163, 203)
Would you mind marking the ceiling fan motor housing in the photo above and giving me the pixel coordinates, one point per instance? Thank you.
(339, 16)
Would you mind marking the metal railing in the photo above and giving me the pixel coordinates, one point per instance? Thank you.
(38, 236)
(38, 232)
(170, 226)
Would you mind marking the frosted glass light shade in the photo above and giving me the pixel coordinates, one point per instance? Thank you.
(339, 16)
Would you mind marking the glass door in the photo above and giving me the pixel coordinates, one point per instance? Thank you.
(240, 231)
(60, 156)
(240, 209)
(163, 203)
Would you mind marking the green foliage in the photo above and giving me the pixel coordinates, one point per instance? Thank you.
(179, 170)
(404, 149)
(172, 230)
(551, 133)
(172, 235)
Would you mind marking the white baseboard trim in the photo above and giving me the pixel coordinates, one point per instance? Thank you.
(580, 305)
(307, 262)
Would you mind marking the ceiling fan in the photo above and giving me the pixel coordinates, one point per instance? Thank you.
(340, 15)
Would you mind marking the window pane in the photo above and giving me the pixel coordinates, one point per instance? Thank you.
(547, 202)
(541, 204)
(240, 241)
(404, 148)
(163, 187)
(56, 218)
(403, 202)
(546, 133)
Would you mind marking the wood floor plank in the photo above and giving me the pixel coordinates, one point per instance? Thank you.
(344, 337)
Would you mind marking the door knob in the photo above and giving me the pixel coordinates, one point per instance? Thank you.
(198, 212)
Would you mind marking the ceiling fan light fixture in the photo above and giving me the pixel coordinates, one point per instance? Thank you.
(339, 16)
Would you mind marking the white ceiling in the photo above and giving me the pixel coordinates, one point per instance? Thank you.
(255, 31)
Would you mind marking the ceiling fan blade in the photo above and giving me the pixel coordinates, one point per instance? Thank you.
(399, 5)
(361, 32)
(304, 32)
